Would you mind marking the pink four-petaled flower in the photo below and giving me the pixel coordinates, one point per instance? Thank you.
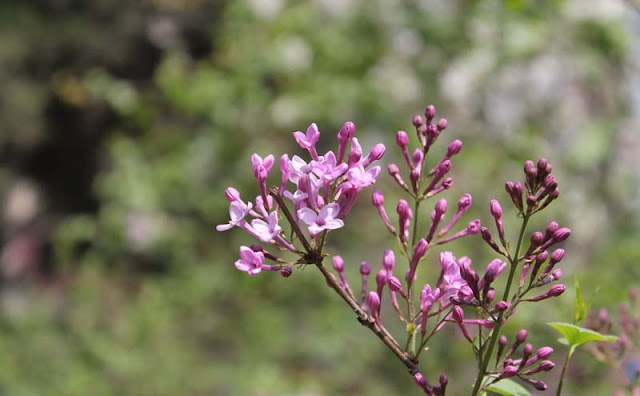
(326, 219)
(250, 262)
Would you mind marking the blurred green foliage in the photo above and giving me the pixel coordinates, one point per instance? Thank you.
(128, 120)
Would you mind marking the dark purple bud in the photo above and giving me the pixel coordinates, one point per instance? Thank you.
(502, 306)
(531, 200)
(454, 148)
(338, 264)
(494, 269)
(539, 385)
(430, 113)
(486, 236)
(286, 272)
(421, 382)
(444, 380)
(442, 124)
(417, 121)
(561, 234)
(365, 268)
(256, 247)
(557, 290)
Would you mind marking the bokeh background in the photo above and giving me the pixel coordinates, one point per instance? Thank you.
(121, 123)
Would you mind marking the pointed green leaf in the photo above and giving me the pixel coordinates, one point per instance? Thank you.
(575, 336)
(506, 387)
(581, 307)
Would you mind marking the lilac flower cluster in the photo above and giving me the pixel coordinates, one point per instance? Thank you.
(325, 191)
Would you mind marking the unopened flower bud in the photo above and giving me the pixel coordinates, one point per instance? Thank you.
(502, 306)
(530, 170)
(346, 132)
(561, 234)
(491, 294)
(454, 148)
(550, 230)
(544, 352)
(338, 264)
(556, 274)
(430, 113)
(417, 121)
(495, 208)
(509, 372)
(542, 164)
(442, 124)
(286, 272)
(546, 365)
(402, 139)
(375, 153)
(394, 284)
(231, 194)
(378, 198)
(521, 336)
(389, 260)
(365, 268)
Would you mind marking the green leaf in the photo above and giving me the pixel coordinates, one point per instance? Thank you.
(575, 336)
(506, 387)
(581, 307)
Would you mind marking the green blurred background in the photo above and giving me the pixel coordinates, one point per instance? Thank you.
(121, 123)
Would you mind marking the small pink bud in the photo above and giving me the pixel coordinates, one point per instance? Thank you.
(286, 272)
(402, 139)
(458, 314)
(377, 199)
(546, 365)
(454, 148)
(530, 169)
(557, 290)
(509, 372)
(442, 124)
(393, 169)
(389, 260)
(502, 306)
(561, 234)
(394, 284)
(521, 336)
(417, 121)
(495, 208)
(376, 152)
(551, 229)
(544, 352)
(231, 194)
(346, 132)
(537, 239)
(430, 113)
(338, 264)
(365, 268)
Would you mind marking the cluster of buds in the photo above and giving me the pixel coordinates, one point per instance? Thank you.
(624, 353)
(528, 364)
(324, 192)
(326, 189)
